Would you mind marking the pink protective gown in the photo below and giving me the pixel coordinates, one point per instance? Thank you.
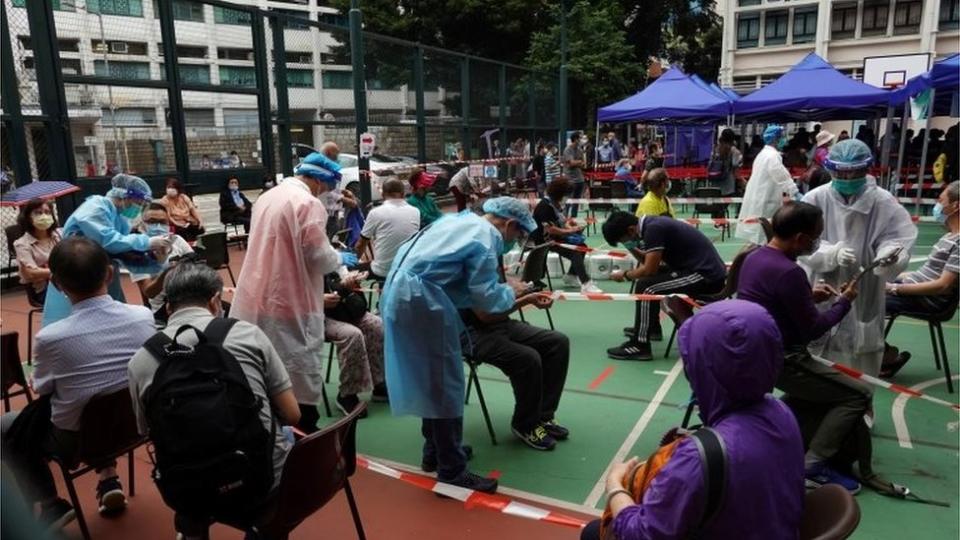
(281, 284)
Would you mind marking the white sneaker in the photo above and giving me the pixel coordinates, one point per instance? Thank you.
(590, 288)
(570, 280)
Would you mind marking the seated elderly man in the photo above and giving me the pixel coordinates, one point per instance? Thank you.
(732, 355)
(156, 223)
(692, 266)
(387, 227)
(77, 358)
(193, 298)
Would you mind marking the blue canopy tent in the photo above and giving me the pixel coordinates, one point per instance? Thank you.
(812, 90)
(944, 77)
(674, 98)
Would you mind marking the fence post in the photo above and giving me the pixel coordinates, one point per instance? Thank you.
(502, 112)
(562, 90)
(263, 97)
(178, 123)
(53, 99)
(465, 106)
(420, 103)
(10, 95)
(359, 95)
(532, 114)
(283, 98)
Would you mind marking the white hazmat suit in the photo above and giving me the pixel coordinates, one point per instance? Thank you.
(769, 180)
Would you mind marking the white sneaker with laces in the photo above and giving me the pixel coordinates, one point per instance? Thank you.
(570, 280)
(590, 288)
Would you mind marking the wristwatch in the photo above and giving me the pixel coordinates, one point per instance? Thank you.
(614, 493)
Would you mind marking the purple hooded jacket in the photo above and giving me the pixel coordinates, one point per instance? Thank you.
(732, 354)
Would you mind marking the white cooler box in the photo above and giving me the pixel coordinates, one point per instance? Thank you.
(553, 266)
(601, 265)
(510, 261)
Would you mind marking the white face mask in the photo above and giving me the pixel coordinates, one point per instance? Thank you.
(172, 192)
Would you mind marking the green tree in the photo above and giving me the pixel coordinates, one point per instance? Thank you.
(600, 64)
(684, 32)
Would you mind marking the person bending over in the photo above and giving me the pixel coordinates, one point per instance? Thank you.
(771, 277)
(553, 225)
(677, 258)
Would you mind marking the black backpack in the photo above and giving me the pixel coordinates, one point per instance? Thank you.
(212, 455)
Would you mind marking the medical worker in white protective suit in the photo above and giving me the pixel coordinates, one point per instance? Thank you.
(281, 284)
(107, 220)
(862, 223)
(451, 264)
(769, 182)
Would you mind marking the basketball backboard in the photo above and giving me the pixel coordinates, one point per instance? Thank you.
(894, 70)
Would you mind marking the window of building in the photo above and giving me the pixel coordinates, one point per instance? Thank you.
(292, 23)
(300, 78)
(294, 57)
(59, 5)
(199, 118)
(238, 76)
(131, 116)
(906, 16)
(190, 51)
(183, 10)
(230, 16)
(748, 31)
(330, 58)
(843, 21)
(71, 66)
(128, 8)
(229, 53)
(949, 14)
(241, 121)
(804, 25)
(338, 80)
(334, 18)
(875, 15)
(743, 3)
(134, 48)
(775, 28)
(130, 71)
(64, 45)
(189, 74)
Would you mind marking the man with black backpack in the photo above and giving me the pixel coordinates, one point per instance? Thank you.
(212, 394)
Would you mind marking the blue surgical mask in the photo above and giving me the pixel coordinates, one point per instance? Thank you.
(157, 229)
(938, 214)
(631, 244)
(848, 187)
(234, 188)
(131, 212)
(781, 144)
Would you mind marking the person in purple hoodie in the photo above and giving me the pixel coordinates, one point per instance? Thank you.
(732, 354)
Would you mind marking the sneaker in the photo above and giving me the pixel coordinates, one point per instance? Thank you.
(57, 513)
(631, 350)
(380, 393)
(538, 438)
(555, 430)
(468, 480)
(110, 496)
(590, 288)
(346, 404)
(822, 474)
(570, 280)
(430, 465)
(655, 334)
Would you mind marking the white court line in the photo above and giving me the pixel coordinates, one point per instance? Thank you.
(660, 372)
(515, 493)
(899, 421)
(598, 489)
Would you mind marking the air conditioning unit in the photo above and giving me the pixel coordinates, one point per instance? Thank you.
(118, 47)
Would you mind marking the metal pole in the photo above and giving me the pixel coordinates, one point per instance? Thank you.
(178, 129)
(262, 72)
(283, 99)
(10, 95)
(923, 153)
(359, 95)
(885, 148)
(113, 108)
(903, 146)
(465, 106)
(562, 90)
(420, 104)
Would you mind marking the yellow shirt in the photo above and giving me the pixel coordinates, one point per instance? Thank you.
(652, 205)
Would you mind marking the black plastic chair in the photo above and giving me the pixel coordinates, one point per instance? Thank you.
(618, 190)
(108, 430)
(11, 370)
(829, 513)
(935, 325)
(317, 468)
(599, 191)
(215, 252)
(534, 270)
(473, 380)
(714, 210)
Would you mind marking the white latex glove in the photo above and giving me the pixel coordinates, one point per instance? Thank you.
(160, 243)
(884, 253)
(845, 256)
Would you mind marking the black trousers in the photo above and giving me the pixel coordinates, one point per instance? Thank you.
(534, 359)
(577, 265)
(680, 282)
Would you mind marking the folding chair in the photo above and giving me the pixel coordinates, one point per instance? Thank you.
(11, 370)
(599, 191)
(215, 252)
(239, 238)
(535, 269)
(618, 190)
(108, 430)
(829, 513)
(718, 210)
(934, 324)
(473, 380)
(317, 468)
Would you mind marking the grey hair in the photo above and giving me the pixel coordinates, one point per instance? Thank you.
(393, 186)
(190, 284)
(953, 191)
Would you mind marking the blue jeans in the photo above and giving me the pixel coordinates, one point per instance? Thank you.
(577, 193)
(443, 444)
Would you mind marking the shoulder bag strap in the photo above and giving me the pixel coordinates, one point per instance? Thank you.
(713, 456)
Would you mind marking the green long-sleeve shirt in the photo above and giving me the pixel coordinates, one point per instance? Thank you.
(429, 211)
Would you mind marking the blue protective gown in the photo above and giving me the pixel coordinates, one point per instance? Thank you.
(97, 219)
(453, 264)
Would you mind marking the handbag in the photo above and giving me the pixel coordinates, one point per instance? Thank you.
(353, 304)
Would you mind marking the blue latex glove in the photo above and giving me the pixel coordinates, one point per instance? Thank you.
(348, 259)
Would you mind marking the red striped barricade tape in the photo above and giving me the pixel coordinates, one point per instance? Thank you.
(875, 381)
(585, 249)
(620, 297)
(471, 498)
(678, 200)
(464, 162)
(925, 185)
(915, 200)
